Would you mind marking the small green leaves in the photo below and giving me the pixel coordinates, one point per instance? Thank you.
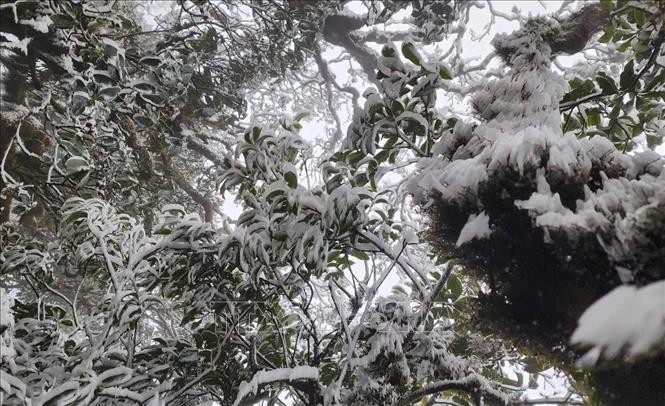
(291, 179)
(76, 164)
(388, 51)
(606, 84)
(628, 75)
(409, 51)
(444, 72)
(454, 287)
(640, 17)
(62, 21)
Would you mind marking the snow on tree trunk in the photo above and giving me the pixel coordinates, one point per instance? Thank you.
(581, 197)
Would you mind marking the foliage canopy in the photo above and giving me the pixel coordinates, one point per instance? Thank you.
(123, 134)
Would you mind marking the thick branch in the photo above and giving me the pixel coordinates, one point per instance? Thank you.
(337, 31)
(179, 179)
(578, 29)
(197, 146)
(328, 78)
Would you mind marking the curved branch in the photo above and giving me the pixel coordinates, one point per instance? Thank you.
(472, 384)
(278, 375)
(337, 30)
(179, 179)
(578, 29)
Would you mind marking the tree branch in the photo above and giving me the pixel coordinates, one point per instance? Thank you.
(337, 31)
(472, 384)
(578, 29)
(429, 302)
(179, 179)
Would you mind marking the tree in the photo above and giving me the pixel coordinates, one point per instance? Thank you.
(124, 282)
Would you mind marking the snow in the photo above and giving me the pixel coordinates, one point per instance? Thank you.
(409, 236)
(627, 321)
(548, 210)
(275, 375)
(646, 162)
(522, 127)
(520, 137)
(13, 42)
(40, 24)
(7, 350)
(476, 227)
(7, 381)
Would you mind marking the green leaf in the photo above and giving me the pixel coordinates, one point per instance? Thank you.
(454, 287)
(660, 78)
(360, 255)
(143, 120)
(571, 123)
(382, 155)
(606, 5)
(628, 75)
(624, 46)
(397, 107)
(532, 365)
(76, 164)
(444, 72)
(62, 21)
(291, 179)
(409, 51)
(109, 92)
(388, 51)
(355, 157)
(593, 118)
(607, 84)
(579, 90)
(150, 60)
(256, 132)
(654, 140)
(640, 18)
(280, 236)
(614, 113)
(607, 36)
(67, 322)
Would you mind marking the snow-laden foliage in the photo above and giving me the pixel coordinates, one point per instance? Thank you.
(124, 295)
(123, 282)
(642, 327)
(396, 355)
(575, 190)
